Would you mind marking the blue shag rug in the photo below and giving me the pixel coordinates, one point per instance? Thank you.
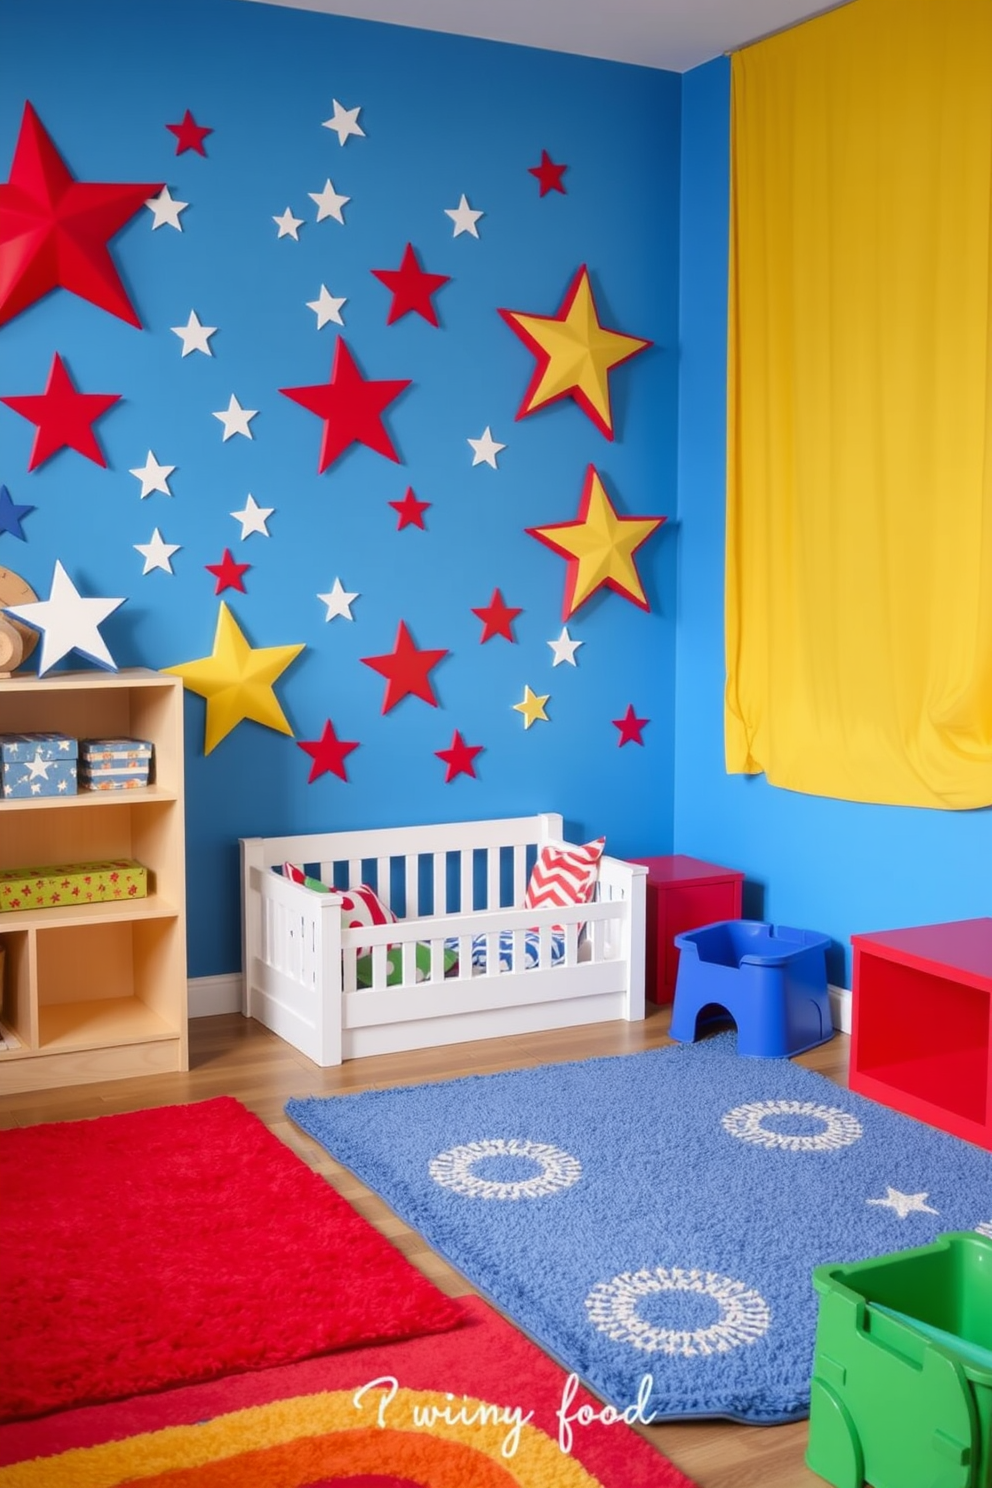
(652, 1220)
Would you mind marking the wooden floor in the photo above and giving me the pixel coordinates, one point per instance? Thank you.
(231, 1055)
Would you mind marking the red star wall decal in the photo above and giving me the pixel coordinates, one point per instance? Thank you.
(189, 134)
(630, 727)
(575, 354)
(411, 511)
(458, 757)
(412, 288)
(328, 753)
(406, 670)
(64, 417)
(497, 618)
(351, 408)
(228, 573)
(54, 230)
(548, 174)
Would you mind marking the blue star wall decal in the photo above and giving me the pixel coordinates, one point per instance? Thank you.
(11, 515)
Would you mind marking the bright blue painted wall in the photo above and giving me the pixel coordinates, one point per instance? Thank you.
(442, 116)
(834, 866)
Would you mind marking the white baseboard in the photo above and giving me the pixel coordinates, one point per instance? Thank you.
(211, 995)
(840, 1008)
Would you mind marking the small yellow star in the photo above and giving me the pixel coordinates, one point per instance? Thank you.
(575, 354)
(532, 707)
(600, 546)
(236, 681)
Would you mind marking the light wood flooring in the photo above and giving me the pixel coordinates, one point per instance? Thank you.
(231, 1055)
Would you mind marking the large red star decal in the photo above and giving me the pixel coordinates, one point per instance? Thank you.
(548, 174)
(189, 134)
(406, 670)
(412, 288)
(228, 573)
(328, 753)
(64, 416)
(458, 757)
(351, 408)
(497, 618)
(630, 727)
(410, 510)
(54, 230)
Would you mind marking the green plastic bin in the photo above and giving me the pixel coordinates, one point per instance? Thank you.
(901, 1394)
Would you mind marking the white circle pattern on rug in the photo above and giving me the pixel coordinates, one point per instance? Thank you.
(453, 1169)
(612, 1307)
(746, 1123)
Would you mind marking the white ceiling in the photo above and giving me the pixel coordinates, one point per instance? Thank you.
(672, 34)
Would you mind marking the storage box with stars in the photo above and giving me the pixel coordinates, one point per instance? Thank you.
(37, 765)
(72, 883)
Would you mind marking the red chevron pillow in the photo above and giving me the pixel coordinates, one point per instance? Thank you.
(564, 875)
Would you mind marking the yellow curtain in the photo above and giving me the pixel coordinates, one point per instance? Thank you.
(859, 495)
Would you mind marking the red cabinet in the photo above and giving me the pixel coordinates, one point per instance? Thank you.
(682, 894)
(921, 1032)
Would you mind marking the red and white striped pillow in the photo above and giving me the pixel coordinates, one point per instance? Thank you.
(564, 875)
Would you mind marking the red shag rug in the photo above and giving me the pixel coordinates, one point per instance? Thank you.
(176, 1245)
(479, 1407)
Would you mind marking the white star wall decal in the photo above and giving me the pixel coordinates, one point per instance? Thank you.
(236, 419)
(485, 449)
(345, 123)
(253, 518)
(338, 602)
(153, 476)
(564, 648)
(165, 210)
(194, 336)
(156, 553)
(68, 622)
(464, 218)
(288, 225)
(329, 202)
(326, 308)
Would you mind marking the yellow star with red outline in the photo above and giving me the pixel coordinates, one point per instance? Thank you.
(236, 680)
(575, 354)
(600, 546)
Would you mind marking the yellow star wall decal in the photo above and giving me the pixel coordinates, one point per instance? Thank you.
(575, 354)
(600, 546)
(532, 707)
(236, 680)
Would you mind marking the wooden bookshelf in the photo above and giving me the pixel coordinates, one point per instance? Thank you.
(97, 991)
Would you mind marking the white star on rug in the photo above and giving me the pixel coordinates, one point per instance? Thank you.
(564, 648)
(236, 419)
(166, 209)
(464, 218)
(194, 336)
(68, 622)
(288, 225)
(985, 1228)
(156, 552)
(326, 308)
(329, 202)
(338, 602)
(38, 767)
(903, 1203)
(345, 123)
(486, 449)
(253, 518)
(153, 476)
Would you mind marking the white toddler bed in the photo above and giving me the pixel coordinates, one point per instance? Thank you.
(451, 884)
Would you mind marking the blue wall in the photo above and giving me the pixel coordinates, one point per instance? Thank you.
(835, 866)
(442, 116)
